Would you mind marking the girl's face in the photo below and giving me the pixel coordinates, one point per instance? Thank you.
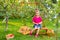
(37, 12)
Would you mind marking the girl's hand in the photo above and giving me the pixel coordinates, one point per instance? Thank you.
(40, 23)
(36, 23)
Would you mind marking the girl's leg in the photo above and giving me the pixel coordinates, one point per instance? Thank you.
(35, 27)
(38, 27)
(32, 31)
(37, 32)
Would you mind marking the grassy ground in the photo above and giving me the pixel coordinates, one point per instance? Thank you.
(14, 25)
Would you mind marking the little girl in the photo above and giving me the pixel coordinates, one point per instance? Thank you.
(37, 21)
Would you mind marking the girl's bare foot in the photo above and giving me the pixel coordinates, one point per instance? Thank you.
(36, 35)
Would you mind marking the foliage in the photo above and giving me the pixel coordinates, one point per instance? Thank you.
(24, 9)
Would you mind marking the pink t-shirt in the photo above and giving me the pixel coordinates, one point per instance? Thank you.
(37, 19)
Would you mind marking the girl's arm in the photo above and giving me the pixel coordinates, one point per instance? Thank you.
(33, 20)
(41, 20)
(35, 23)
(40, 23)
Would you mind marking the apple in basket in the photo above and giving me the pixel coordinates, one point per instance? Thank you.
(24, 30)
(9, 36)
(50, 33)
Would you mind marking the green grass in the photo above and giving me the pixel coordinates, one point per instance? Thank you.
(13, 27)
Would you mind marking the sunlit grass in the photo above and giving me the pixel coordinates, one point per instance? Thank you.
(13, 27)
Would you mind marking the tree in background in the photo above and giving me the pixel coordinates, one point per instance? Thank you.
(24, 9)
